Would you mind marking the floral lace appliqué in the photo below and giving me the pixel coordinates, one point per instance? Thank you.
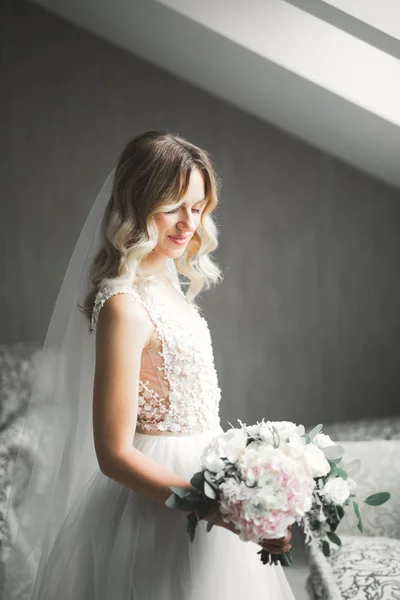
(189, 399)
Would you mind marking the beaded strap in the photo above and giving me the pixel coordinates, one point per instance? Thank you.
(106, 292)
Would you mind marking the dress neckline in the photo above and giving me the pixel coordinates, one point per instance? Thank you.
(164, 279)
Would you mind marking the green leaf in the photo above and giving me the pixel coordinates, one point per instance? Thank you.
(314, 432)
(339, 473)
(209, 491)
(333, 452)
(307, 437)
(194, 496)
(185, 504)
(377, 499)
(358, 515)
(334, 538)
(325, 548)
(191, 525)
(340, 511)
(353, 467)
(172, 501)
(179, 491)
(212, 520)
(210, 478)
(197, 480)
(203, 511)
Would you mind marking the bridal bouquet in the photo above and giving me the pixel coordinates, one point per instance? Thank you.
(263, 478)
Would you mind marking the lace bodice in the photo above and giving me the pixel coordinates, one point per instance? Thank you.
(178, 387)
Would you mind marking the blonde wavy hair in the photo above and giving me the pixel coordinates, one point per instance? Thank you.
(151, 176)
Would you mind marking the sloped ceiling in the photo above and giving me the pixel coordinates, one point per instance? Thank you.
(310, 67)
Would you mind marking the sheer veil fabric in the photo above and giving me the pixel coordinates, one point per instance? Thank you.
(56, 456)
(76, 534)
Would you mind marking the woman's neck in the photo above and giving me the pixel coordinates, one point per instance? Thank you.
(156, 266)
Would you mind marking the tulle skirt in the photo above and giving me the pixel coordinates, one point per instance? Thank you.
(117, 545)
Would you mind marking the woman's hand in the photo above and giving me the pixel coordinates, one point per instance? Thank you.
(279, 546)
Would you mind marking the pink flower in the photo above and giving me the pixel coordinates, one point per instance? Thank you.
(275, 490)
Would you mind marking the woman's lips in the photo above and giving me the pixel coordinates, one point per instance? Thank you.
(179, 241)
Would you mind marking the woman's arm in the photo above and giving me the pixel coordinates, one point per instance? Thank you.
(123, 330)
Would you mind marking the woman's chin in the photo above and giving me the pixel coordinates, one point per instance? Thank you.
(173, 252)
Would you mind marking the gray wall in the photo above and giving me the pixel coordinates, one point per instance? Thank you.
(306, 324)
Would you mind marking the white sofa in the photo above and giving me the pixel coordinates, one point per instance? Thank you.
(16, 365)
(367, 566)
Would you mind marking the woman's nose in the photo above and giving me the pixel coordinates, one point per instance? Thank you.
(187, 222)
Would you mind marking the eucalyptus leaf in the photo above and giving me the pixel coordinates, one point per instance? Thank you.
(194, 496)
(203, 511)
(191, 525)
(185, 504)
(358, 515)
(353, 467)
(172, 501)
(194, 506)
(377, 499)
(333, 452)
(212, 520)
(340, 473)
(209, 477)
(209, 491)
(340, 511)
(197, 480)
(326, 549)
(179, 491)
(314, 432)
(334, 538)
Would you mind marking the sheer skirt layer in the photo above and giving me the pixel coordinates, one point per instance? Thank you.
(118, 545)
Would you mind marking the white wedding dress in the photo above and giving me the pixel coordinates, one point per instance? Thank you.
(116, 544)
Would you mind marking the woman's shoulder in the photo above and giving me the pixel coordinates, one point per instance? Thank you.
(118, 297)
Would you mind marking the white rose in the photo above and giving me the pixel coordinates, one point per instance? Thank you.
(232, 444)
(253, 430)
(276, 433)
(336, 490)
(316, 460)
(266, 434)
(322, 440)
(212, 462)
(284, 428)
(295, 446)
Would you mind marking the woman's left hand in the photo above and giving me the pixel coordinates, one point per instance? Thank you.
(279, 546)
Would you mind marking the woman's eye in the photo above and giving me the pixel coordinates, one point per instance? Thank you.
(174, 210)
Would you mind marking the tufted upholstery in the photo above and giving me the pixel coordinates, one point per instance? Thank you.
(367, 567)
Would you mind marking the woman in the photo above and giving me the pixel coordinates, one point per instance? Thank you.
(102, 532)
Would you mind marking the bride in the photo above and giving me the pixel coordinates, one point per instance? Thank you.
(123, 401)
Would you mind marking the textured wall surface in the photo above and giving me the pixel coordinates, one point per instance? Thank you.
(306, 324)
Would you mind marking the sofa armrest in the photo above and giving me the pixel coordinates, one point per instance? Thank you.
(380, 428)
(380, 471)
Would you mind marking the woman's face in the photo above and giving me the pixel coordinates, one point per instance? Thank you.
(176, 227)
